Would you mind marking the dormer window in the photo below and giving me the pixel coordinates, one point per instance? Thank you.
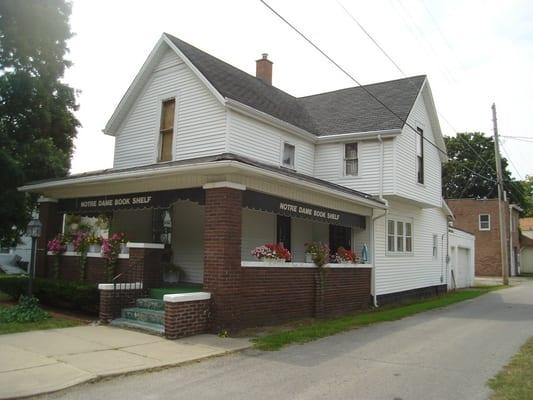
(419, 155)
(351, 159)
(288, 155)
(166, 130)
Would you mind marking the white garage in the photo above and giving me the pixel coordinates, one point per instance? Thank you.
(526, 252)
(461, 269)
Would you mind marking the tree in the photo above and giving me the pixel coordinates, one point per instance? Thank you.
(458, 180)
(37, 124)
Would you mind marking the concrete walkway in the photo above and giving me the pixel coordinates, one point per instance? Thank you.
(39, 362)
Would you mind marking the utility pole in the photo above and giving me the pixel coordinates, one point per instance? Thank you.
(501, 204)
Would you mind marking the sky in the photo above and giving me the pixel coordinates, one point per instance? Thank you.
(473, 52)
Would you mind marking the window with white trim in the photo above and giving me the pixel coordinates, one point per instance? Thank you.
(419, 155)
(166, 129)
(351, 159)
(288, 155)
(484, 222)
(399, 236)
(435, 246)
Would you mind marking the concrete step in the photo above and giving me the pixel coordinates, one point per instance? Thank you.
(144, 315)
(152, 304)
(148, 327)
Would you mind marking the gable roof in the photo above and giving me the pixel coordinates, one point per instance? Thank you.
(342, 111)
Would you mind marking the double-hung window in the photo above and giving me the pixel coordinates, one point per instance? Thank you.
(287, 159)
(435, 246)
(399, 236)
(166, 129)
(484, 222)
(351, 159)
(419, 155)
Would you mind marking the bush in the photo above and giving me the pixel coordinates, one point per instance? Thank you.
(62, 294)
(27, 310)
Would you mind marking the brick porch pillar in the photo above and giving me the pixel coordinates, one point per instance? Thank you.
(52, 225)
(222, 252)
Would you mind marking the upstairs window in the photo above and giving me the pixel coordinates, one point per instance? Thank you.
(419, 155)
(166, 130)
(435, 246)
(484, 222)
(288, 155)
(351, 160)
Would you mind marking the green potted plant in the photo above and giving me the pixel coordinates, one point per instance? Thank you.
(68, 240)
(172, 273)
(319, 253)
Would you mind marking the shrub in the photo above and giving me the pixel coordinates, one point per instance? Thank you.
(62, 294)
(27, 310)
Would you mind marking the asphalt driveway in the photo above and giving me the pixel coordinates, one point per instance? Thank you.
(443, 354)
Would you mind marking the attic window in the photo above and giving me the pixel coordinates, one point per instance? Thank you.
(420, 155)
(166, 130)
(351, 159)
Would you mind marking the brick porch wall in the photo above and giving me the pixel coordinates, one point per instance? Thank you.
(186, 318)
(222, 255)
(275, 295)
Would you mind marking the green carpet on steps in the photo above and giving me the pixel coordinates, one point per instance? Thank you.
(158, 293)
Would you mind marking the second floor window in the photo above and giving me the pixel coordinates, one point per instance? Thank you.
(484, 222)
(288, 155)
(166, 130)
(419, 155)
(351, 159)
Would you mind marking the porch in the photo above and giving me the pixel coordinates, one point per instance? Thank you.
(208, 228)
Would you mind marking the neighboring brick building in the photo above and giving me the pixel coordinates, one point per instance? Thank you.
(480, 217)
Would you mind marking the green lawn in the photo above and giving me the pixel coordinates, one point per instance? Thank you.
(51, 323)
(316, 329)
(515, 380)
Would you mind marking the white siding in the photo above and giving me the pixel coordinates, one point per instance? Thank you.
(329, 165)
(262, 142)
(405, 153)
(188, 240)
(200, 122)
(258, 228)
(396, 273)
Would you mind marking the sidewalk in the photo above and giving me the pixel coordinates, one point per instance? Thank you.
(40, 362)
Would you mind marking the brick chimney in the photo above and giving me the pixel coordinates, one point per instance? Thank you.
(263, 69)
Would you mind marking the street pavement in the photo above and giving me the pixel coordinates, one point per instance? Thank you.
(444, 354)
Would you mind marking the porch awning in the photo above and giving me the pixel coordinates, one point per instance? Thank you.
(155, 199)
(290, 208)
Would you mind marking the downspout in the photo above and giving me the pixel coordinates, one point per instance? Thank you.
(375, 218)
(511, 258)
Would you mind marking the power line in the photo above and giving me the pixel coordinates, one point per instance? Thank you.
(351, 77)
(410, 82)
(511, 161)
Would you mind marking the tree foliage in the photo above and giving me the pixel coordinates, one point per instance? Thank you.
(459, 182)
(37, 124)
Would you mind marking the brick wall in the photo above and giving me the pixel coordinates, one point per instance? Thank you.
(274, 295)
(52, 224)
(186, 318)
(222, 254)
(112, 302)
(488, 248)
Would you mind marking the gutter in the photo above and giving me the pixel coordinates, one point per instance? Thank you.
(375, 218)
(209, 166)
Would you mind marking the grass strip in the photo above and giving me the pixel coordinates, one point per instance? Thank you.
(317, 329)
(515, 380)
(50, 323)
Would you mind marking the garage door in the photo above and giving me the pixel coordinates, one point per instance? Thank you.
(464, 268)
(526, 260)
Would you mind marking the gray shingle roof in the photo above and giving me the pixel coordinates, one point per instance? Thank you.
(341, 111)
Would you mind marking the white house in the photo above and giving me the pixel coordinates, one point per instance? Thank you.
(335, 167)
